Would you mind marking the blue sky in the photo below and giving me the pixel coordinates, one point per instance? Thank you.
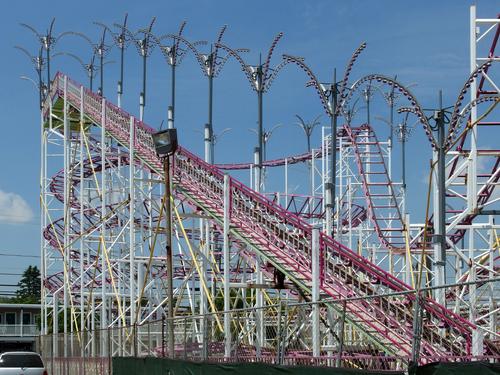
(424, 42)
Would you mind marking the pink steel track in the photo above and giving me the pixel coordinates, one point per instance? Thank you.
(284, 239)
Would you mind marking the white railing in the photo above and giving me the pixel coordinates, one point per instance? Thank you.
(19, 330)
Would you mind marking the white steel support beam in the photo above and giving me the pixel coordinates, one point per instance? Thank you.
(81, 242)
(315, 250)
(105, 310)
(492, 299)
(477, 335)
(438, 262)
(472, 172)
(104, 302)
(131, 221)
(66, 209)
(259, 296)
(227, 269)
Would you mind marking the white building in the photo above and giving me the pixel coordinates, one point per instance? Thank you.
(18, 326)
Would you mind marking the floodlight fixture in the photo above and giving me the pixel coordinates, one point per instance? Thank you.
(165, 142)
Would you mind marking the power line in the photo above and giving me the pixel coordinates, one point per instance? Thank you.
(19, 255)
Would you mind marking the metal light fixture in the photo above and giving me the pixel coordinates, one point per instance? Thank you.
(165, 142)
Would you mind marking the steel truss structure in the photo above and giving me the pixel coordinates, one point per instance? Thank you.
(103, 239)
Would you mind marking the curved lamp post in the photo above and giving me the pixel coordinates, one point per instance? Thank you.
(308, 128)
(121, 40)
(329, 94)
(90, 68)
(38, 63)
(174, 55)
(145, 46)
(260, 78)
(266, 136)
(214, 139)
(390, 98)
(99, 49)
(211, 65)
(47, 41)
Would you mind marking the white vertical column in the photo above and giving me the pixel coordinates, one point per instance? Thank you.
(477, 337)
(340, 190)
(286, 182)
(259, 304)
(207, 140)
(81, 184)
(491, 275)
(472, 175)
(203, 247)
(55, 325)
(205, 239)
(104, 288)
(313, 187)
(349, 207)
(438, 266)
(259, 296)
(66, 208)
(227, 265)
(257, 182)
(329, 208)
(315, 250)
(131, 219)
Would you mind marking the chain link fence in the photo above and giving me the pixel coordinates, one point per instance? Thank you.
(283, 333)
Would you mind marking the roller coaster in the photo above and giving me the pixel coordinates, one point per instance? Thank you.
(373, 278)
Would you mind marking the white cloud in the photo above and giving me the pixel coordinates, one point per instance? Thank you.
(14, 209)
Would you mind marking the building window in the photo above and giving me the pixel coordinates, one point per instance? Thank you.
(26, 318)
(10, 318)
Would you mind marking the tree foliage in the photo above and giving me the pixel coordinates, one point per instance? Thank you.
(29, 286)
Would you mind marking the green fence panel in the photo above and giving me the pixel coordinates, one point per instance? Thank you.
(164, 366)
(470, 368)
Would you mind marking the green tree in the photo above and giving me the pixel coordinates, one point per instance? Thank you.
(29, 286)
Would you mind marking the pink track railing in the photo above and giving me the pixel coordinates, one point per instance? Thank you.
(285, 240)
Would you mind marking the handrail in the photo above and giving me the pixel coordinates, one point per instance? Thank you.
(272, 219)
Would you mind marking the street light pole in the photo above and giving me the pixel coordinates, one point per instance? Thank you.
(168, 232)
(260, 78)
(165, 142)
(329, 100)
(47, 41)
(403, 133)
(211, 64)
(260, 92)
(439, 119)
(38, 63)
(209, 154)
(333, 146)
(145, 48)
